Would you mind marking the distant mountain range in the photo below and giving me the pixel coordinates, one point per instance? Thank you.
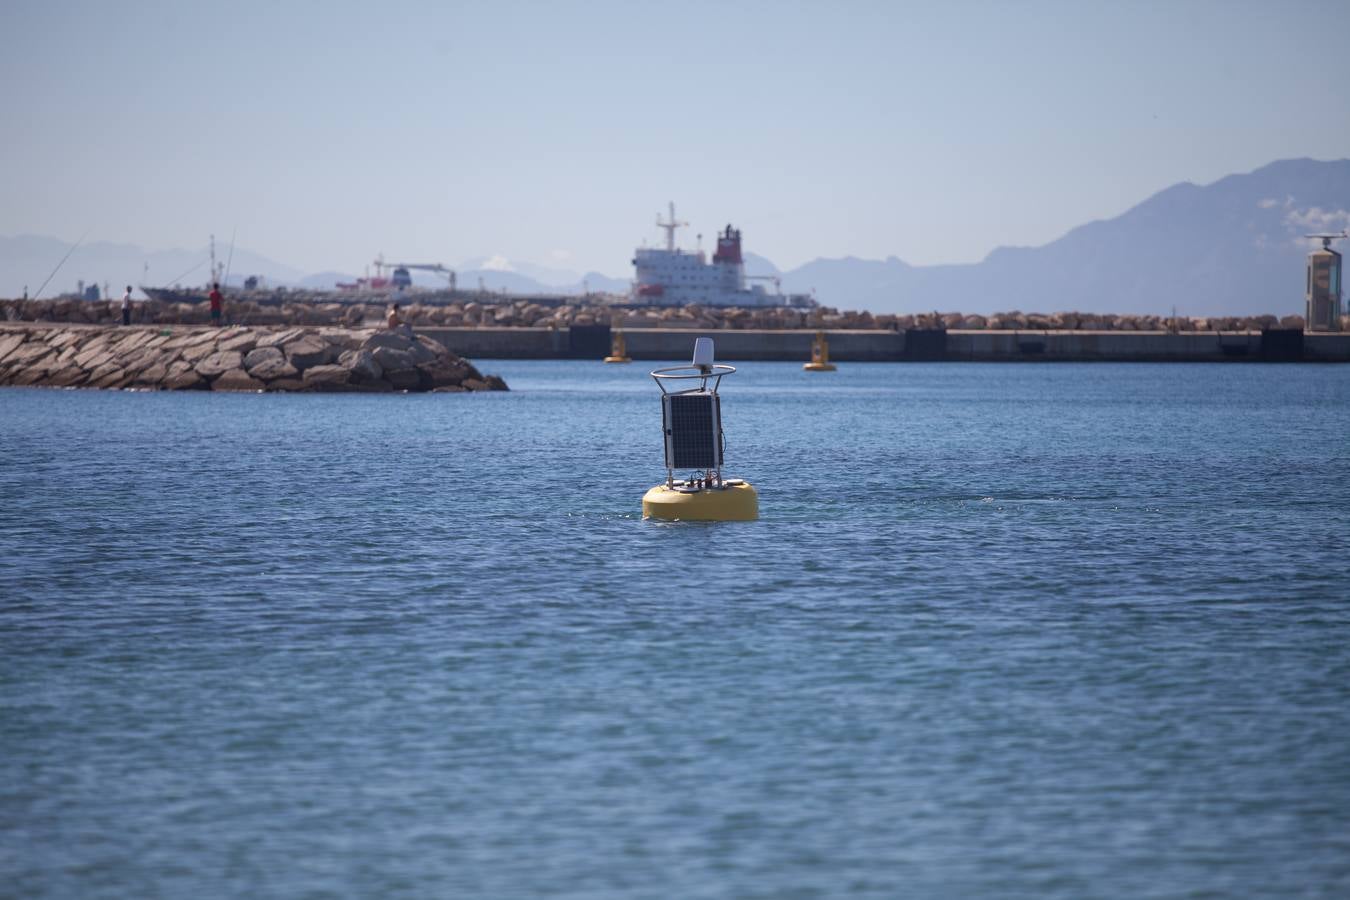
(27, 259)
(1234, 247)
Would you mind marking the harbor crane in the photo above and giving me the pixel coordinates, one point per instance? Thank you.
(777, 281)
(445, 271)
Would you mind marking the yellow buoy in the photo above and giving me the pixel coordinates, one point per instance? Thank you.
(820, 355)
(618, 350)
(735, 501)
(691, 418)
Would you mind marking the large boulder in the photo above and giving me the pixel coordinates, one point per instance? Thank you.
(236, 380)
(9, 343)
(182, 377)
(280, 338)
(326, 378)
(272, 368)
(261, 355)
(362, 364)
(30, 354)
(344, 338)
(69, 376)
(391, 359)
(151, 376)
(404, 379)
(425, 350)
(196, 352)
(140, 359)
(220, 362)
(397, 339)
(241, 341)
(110, 375)
(23, 377)
(133, 341)
(98, 359)
(93, 352)
(443, 373)
(205, 336)
(66, 356)
(309, 351)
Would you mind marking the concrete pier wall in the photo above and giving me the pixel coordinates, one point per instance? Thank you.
(896, 346)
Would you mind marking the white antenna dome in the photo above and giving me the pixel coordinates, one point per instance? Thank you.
(703, 352)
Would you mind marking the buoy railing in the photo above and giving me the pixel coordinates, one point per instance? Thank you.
(703, 374)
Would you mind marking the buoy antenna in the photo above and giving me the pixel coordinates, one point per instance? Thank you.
(1327, 238)
(703, 354)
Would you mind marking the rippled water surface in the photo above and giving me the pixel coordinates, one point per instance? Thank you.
(1041, 630)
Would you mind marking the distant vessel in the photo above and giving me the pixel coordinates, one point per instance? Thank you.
(399, 278)
(397, 284)
(675, 277)
(177, 294)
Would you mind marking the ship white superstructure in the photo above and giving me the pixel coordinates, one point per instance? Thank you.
(670, 276)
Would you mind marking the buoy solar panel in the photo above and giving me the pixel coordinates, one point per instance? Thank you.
(693, 431)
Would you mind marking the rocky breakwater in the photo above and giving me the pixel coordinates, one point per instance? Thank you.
(489, 312)
(234, 359)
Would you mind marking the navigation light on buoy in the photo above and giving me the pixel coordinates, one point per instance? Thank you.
(820, 355)
(692, 421)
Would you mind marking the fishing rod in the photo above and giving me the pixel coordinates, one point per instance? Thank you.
(62, 262)
(195, 266)
(225, 282)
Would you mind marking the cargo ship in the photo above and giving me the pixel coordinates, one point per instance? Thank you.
(671, 276)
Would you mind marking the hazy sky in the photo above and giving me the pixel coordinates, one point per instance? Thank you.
(553, 132)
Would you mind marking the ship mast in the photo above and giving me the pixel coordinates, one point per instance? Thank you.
(669, 227)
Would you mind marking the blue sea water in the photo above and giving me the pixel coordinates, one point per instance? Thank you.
(1038, 630)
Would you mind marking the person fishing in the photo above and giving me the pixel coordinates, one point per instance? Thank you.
(216, 303)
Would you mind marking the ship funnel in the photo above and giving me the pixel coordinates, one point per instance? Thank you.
(728, 246)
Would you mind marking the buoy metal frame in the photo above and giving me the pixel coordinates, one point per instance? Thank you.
(706, 496)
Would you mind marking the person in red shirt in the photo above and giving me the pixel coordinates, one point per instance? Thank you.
(215, 299)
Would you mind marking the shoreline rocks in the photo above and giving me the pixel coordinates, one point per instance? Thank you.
(500, 312)
(329, 360)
